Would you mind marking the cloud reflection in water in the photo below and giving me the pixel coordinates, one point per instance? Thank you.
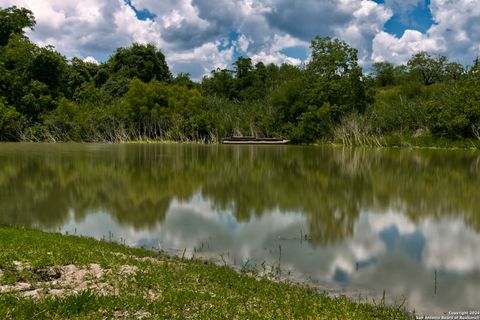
(386, 251)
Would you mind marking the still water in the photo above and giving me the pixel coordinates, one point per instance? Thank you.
(359, 221)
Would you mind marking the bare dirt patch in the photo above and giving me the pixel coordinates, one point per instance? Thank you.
(135, 315)
(153, 260)
(66, 280)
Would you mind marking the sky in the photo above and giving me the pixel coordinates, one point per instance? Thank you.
(198, 36)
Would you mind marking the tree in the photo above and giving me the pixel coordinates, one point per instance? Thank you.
(474, 70)
(13, 21)
(243, 67)
(183, 79)
(334, 76)
(384, 73)
(101, 76)
(116, 86)
(289, 104)
(16, 62)
(79, 72)
(453, 71)
(49, 66)
(221, 84)
(142, 61)
(332, 58)
(243, 76)
(156, 109)
(427, 68)
(36, 100)
(456, 112)
(11, 122)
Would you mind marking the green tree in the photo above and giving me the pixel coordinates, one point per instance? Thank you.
(183, 79)
(334, 76)
(16, 60)
(63, 123)
(11, 122)
(473, 71)
(220, 84)
(78, 73)
(14, 20)
(145, 62)
(244, 77)
(101, 76)
(332, 58)
(384, 73)
(116, 85)
(453, 71)
(426, 68)
(50, 67)
(156, 109)
(455, 113)
(36, 101)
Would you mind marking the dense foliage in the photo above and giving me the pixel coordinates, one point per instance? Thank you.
(133, 95)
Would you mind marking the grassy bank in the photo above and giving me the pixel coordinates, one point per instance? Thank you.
(404, 141)
(45, 275)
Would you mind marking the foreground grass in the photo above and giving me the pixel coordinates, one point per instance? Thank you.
(135, 283)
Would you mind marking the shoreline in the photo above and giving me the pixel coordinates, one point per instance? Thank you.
(54, 274)
(454, 145)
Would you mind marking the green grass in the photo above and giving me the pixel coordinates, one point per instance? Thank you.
(428, 141)
(159, 286)
(409, 141)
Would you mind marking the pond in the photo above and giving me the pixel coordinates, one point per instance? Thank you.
(362, 222)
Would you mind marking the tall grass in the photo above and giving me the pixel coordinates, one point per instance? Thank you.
(356, 130)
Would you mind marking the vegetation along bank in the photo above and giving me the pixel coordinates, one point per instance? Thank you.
(429, 101)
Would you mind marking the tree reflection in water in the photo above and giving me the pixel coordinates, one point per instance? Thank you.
(40, 184)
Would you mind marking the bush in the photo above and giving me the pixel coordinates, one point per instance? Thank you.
(11, 123)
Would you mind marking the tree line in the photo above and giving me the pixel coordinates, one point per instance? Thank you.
(133, 96)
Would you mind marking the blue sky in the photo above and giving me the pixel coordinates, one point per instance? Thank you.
(198, 36)
(142, 14)
(416, 17)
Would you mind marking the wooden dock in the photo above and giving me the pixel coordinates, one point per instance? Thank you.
(253, 140)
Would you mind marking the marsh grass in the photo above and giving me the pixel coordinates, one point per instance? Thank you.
(155, 286)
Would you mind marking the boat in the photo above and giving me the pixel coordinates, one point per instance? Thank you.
(253, 140)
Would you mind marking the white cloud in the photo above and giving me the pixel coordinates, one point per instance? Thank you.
(90, 59)
(369, 19)
(387, 47)
(455, 33)
(281, 42)
(195, 28)
(274, 57)
(93, 28)
(457, 252)
(243, 43)
(201, 60)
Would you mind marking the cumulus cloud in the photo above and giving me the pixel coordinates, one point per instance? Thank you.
(90, 59)
(199, 35)
(275, 57)
(457, 253)
(368, 20)
(201, 60)
(387, 47)
(455, 33)
(88, 27)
